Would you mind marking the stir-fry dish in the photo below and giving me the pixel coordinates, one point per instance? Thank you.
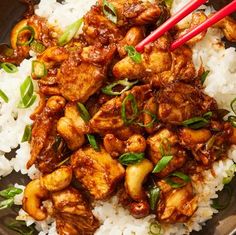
(113, 121)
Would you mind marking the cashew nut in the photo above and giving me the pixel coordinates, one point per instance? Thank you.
(136, 144)
(32, 201)
(57, 180)
(56, 103)
(134, 178)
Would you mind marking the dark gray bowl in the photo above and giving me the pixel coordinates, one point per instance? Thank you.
(223, 223)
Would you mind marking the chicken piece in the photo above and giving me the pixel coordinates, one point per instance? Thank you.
(97, 171)
(115, 147)
(99, 29)
(108, 119)
(72, 127)
(159, 66)
(228, 26)
(45, 149)
(179, 102)
(73, 214)
(77, 79)
(165, 143)
(132, 38)
(176, 205)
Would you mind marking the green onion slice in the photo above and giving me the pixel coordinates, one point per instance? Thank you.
(27, 134)
(10, 192)
(133, 54)
(38, 69)
(83, 112)
(37, 47)
(150, 124)
(162, 164)
(230, 174)
(131, 158)
(6, 203)
(25, 30)
(228, 194)
(129, 98)
(20, 227)
(109, 11)
(27, 94)
(180, 175)
(63, 162)
(153, 195)
(233, 105)
(108, 90)
(93, 142)
(204, 76)
(196, 123)
(232, 120)
(169, 3)
(4, 96)
(70, 32)
(155, 228)
(8, 67)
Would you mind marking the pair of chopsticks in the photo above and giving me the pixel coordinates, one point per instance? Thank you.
(186, 10)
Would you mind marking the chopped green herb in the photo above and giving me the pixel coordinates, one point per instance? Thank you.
(93, 142)
(131, 158)
(70, 32)
(233, 105)
(129, 98)
(6, 203)
(20, 227)
(27, 134)
(153, 195)
(150, 124)
(38, 69)
(83, 112)
(10, 192)
(169, 3)
(4, 96)
(175, 184)
(155, 228)
(27, 94)
(232, 120)
(110, 11)
(37, 47)
(133, 54)
(26, 29)
(108, 90)
(204, 76)
(230, 174)
(162, 164)
(8, 67)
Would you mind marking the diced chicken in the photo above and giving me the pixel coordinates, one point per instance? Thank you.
(73, 214)
(97, 171)
(72, 127)
(165, 143)
(108, 119)
(176, 205)
(179, 102)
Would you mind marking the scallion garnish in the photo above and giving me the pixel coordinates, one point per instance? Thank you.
(180, 175)
(133, 54)
(153, 195)
(155, 228)
(109, 11)
(26, 29)
(93, 142)
(27, 134)
(27, 94)
(216, 202)
(230, 174)
(131, 158)
(233, 105)
(6, 203)
(37, 47)
(20, 227)
(232, 120)
(108, 90)
(162, 164)
(198, 122)
(4, 96)
(83, 112)
(70, 32)
(129, 98)
(8, 67)
(169, 3)
(150, 124)
(38, 69)
(204, 76)
(10, 192)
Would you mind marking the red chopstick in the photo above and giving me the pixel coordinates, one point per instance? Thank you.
(186, 10)
(206, 24)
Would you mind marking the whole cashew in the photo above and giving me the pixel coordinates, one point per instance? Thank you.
(134, 178)
(57, 180)
(32, 201)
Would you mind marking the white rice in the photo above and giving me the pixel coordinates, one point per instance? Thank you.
(220, 84)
